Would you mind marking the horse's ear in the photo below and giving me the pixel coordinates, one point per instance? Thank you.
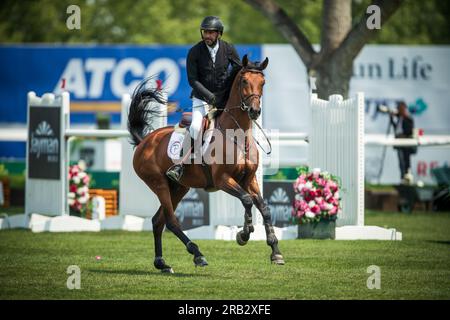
(264, 64)
(244, 61)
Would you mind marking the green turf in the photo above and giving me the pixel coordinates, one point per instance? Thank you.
(33, 266)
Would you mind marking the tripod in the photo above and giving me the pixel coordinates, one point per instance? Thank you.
(380, 171)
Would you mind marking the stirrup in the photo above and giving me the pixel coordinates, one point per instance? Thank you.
(174, 173)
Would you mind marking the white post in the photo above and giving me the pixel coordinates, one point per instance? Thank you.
(337, 146)
(46, 175)
(257, 217)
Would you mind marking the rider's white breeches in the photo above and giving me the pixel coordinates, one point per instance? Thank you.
(199, 110)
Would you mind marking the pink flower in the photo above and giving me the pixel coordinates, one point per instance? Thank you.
(304, 206)
(327, 193)
(333, 186)
(333, 201)
(333, 210)
(315, 209)
(75, 169)
(315, 193)
(324, 206)
(300, 213)
(321, 182)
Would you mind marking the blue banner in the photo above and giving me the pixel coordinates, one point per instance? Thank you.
(96, 77)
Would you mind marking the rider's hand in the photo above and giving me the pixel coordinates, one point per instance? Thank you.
(212, 99)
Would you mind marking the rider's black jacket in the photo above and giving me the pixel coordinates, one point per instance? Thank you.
(210, 80)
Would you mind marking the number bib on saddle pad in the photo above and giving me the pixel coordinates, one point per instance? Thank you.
(177, 137)
(175, 145)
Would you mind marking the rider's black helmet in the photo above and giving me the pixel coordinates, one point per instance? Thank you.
(212, 23)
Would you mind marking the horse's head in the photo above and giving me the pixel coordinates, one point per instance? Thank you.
(251, 85)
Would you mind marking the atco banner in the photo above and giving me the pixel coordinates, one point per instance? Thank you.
(96, 76)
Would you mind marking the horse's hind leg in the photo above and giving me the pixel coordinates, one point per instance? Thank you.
(276, 256)
(158, 227)
(169, 196)
(177, 193)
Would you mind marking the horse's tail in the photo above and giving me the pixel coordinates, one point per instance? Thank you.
(145, 105)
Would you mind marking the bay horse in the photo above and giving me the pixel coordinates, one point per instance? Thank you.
(151, 162)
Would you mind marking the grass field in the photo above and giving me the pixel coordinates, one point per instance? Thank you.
(34, 266)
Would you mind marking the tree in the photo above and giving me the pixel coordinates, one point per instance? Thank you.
(340, 42)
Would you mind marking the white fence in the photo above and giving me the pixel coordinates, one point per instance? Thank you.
(48, 195)
(337, 146)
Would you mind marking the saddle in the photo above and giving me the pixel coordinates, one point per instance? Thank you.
(186, 120)
(208, 121)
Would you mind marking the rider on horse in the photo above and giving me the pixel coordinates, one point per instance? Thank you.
(211, 66)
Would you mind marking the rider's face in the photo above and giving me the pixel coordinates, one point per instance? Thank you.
(210, 37)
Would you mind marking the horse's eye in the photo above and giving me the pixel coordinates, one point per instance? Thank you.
(244, 82)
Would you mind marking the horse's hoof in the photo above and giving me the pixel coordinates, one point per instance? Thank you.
(160, 264)
(277, 259)
(240, 239)
(167, 270)
(200, 261)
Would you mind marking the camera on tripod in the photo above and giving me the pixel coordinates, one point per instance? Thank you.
(384, 109)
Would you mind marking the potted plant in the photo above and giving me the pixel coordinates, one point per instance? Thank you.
(78, 195)
(316, 204)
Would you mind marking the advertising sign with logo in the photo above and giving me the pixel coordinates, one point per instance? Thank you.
(279, 196)
(96, 76)
(193, 210)
(44, 143)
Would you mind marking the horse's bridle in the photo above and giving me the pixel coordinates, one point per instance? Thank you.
(244, 106)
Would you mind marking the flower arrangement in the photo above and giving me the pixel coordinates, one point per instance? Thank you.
(316, 196)
(78, 195)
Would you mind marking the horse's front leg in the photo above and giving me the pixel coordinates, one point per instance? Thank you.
(230, 186)
(253, 188)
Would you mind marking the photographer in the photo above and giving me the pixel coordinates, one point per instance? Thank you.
(403, 126)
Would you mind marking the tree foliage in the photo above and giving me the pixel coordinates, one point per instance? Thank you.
(177, 21)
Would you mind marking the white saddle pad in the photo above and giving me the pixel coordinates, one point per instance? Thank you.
(176, 142)
(175, 145)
